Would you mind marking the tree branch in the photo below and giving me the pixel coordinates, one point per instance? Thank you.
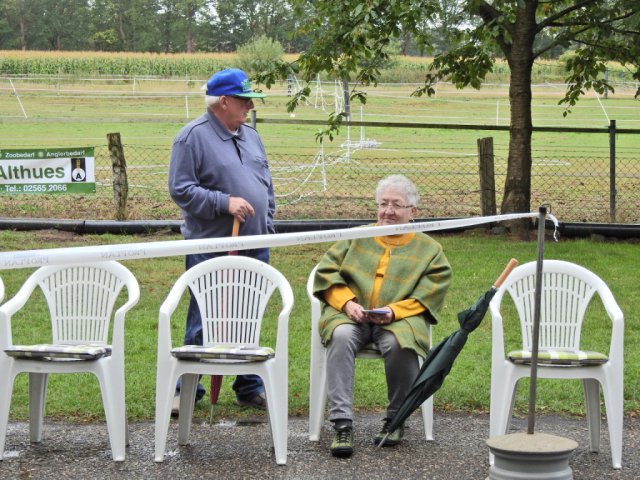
(562, 13)
(488, 13)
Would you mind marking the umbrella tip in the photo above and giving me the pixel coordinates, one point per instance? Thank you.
(384, 439)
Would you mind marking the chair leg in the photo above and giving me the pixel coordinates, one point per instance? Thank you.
(165, 391)
(276, 390)
(427, 418)
(592, 408)
(501, 409)
(613, 391)
(37, 397)
(501, 406)
(113, 393)
(317, 397)
(187, 400)
(6, 390)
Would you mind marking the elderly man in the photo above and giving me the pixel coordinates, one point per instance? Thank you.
(219, 170)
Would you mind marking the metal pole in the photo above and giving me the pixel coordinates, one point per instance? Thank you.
(536, 321)
(612, 170)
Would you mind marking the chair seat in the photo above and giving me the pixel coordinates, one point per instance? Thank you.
(559, 357)
(370, 349)
(223, 352)
(46, 351)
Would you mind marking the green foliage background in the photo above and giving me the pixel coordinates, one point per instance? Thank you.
(402, 69)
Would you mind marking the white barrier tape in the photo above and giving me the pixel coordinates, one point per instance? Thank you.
(132, 251)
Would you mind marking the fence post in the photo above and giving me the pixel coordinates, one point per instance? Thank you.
(119, 170)
(612, 170)
(487, 179)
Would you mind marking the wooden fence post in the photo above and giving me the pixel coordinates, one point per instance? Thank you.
(487, 179)
(119, 170)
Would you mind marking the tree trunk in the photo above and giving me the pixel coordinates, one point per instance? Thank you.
(191, 14)
(23, 33)
(517, 188)
(122, 32)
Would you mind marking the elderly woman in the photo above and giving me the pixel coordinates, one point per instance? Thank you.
(404, 278)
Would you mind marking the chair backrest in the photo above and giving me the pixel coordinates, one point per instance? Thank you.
(81, 299)
(232, 294)
(567, 290)
(1, 291)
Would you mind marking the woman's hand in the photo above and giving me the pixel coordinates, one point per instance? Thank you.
(354, 311)
(385, 317)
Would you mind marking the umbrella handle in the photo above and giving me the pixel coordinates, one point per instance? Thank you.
(513, 263)
(236, 227)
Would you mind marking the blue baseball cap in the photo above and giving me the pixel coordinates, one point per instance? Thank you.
(231, 82)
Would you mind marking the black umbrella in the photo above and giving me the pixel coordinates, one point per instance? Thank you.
(440, 359)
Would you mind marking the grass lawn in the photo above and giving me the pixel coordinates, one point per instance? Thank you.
(476, 258)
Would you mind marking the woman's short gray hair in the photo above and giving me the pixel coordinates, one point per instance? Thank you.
(399, 183)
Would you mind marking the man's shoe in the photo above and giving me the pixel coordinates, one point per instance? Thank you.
(394, 437)
(342, 444)
(175, 407)
(259, 400)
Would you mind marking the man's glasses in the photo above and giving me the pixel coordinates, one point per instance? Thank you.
(247, 101)
(392, 206)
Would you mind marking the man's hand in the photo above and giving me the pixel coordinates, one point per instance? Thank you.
(240, 208)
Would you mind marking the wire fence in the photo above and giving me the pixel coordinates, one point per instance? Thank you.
(341, 185)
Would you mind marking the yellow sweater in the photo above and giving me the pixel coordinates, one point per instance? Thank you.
(338, 295)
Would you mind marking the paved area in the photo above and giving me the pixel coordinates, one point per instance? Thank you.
(231, 450)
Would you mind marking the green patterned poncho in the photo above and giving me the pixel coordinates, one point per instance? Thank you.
(418, 270)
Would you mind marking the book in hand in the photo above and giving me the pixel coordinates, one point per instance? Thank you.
(377, 311)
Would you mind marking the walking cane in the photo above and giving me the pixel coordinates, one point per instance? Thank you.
(216, 380)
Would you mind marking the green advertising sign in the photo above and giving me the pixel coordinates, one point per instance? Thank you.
(47, 170)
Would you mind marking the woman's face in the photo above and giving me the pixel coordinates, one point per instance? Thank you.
(393, 208)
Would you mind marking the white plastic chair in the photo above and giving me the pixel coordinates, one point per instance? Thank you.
(318, 373)
(232, 294)
(81, 301)
(1, 290)
(567, 290)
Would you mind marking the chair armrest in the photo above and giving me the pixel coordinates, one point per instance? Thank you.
(117, 340)
(282, 339)
(164, 316)
(12, 306)
(497, 332)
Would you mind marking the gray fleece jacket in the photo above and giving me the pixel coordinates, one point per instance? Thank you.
(206, 168)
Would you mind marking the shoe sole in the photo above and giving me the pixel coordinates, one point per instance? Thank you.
(342, 452)
(243, 403)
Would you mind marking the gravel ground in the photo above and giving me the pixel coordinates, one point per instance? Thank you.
(243, 450)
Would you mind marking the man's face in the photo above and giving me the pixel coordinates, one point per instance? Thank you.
(234, 111)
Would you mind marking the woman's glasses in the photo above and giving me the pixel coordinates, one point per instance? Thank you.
(392, 206)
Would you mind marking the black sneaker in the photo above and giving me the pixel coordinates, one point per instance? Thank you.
(342, 444)
(394, 437)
